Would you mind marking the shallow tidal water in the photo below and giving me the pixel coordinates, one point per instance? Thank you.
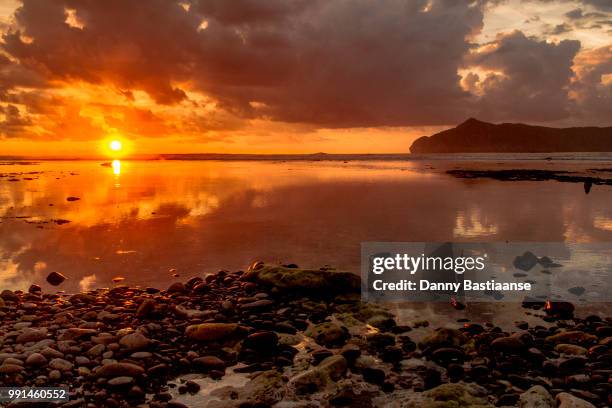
(143, 222)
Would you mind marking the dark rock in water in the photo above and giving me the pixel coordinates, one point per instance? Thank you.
(34, 289)
(177, 287)
(473, 328)
(285, 327)
(522, 325)
(546, 262)
(526, 261)
(320, 355)
(559, 309)
(350, 352)
(378, 341)
(264, 341)
(391, 354)
(208, 363)
(455, 371)
(55, 278)
(446, 355)
(577, 290)
(373, 375)
(72, 198)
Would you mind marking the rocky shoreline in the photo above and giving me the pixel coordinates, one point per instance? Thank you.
(294, 338)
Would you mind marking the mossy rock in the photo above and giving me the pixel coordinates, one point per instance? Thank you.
(456, 395)
(329, 334)
(443, 337)
(314, 282)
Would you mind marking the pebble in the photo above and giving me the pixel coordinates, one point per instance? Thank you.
(60, 364)
(116, 369)
(134, 341)
(36, 360)
(122, 381)
(208, 363)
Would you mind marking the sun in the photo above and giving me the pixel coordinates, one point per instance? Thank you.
(115, 145)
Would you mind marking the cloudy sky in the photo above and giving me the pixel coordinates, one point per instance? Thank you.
(272, 76)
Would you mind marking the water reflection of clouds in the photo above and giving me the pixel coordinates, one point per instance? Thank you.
(473, 224)
(202, 216)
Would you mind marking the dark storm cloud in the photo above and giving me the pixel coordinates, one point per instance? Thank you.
(534, 82)
(326, 63)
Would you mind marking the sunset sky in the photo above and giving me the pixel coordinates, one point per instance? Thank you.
(292, 76)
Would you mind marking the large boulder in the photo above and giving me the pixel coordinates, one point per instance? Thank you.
(454, 396)
(316, 282)
(566, 400)
(536, 397)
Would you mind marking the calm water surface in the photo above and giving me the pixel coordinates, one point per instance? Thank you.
(147, 220)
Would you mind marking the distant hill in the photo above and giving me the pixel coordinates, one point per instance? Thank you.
(475, 136)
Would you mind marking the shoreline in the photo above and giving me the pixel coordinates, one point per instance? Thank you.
(299, 338)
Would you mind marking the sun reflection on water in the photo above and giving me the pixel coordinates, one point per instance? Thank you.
(116, 167)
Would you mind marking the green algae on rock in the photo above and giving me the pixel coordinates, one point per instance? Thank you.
(315, 282)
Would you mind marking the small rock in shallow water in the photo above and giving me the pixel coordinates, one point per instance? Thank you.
(264, 341)
(177, 287)
(55, 278)
(208, 363)
(526, 261)
(578, 290)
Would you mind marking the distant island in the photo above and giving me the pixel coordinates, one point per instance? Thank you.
(475, 136)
